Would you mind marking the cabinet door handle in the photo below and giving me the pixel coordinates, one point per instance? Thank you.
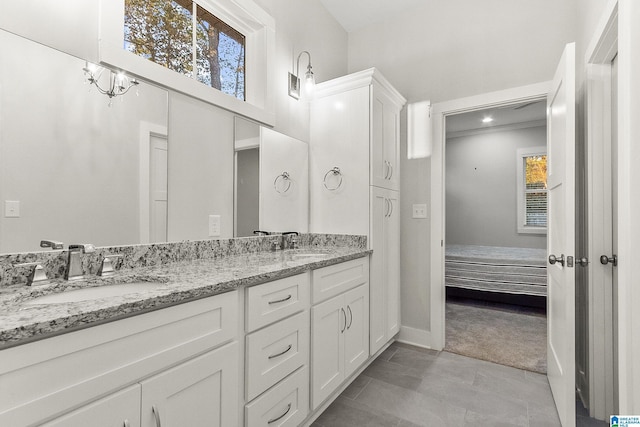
(350, 316)
(345, 320)
(126, 423)
(273, 420)
(287, 298)
(387, 169)
(391, 204)
(390, 171)
(387, 208)
(156, 415)
(273, 356)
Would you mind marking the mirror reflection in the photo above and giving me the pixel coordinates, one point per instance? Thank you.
(73, 168)
(272, 181)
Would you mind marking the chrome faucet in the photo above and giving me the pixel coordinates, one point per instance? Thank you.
(293, 240)
(74, 260)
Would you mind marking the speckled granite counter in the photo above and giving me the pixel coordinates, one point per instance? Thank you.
(22, 322)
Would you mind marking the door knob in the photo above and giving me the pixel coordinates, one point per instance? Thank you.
(604, 260)
(584, 261)
(553, 259)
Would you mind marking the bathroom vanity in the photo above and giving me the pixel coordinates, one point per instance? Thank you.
(244, 339)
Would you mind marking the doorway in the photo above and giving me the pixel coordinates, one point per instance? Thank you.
(495, 246)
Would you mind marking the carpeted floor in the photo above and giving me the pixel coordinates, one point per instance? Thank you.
(505, 334)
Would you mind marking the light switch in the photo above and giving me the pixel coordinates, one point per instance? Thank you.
(12, 208)
(420, 211)
(214, 225)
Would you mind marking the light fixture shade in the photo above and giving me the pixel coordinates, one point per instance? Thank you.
(309, 84)
(419, 141)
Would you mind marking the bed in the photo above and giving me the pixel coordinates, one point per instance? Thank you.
(494, 269)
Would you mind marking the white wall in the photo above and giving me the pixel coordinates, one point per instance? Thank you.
(448, 50)
(481, 188)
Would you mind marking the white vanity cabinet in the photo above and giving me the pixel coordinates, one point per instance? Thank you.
(183, 360)
(340, 327)
(355, 126)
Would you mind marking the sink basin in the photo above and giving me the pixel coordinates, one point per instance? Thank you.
(96, 292)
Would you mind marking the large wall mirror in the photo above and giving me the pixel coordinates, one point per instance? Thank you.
(73, 168)
(272, 181)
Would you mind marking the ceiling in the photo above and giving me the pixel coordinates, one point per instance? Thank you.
(525, 112)
(356, 14)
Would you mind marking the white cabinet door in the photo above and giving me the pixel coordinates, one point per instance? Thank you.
(385, 267)
(120, 409)
(392, 264)
(379, 209)
(202, 392)
(385, 147)
(328, 324)
(356, 332)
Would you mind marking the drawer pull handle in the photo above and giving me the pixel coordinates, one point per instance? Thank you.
(350, 316)
(344, 313)
(287, 298)
(156, 415)
(281, 416)
(126, 423)
(273, 356)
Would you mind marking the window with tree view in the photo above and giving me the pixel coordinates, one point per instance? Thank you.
(184, 37)
(535, 190)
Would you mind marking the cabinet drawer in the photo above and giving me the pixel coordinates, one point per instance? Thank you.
(276, 351)
(273, 301)
(286, 404)
(335, 279)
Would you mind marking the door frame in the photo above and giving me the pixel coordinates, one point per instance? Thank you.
(439, 112)
(599, 54)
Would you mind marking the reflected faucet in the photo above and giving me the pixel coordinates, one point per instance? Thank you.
(51, 244)
(74, 260)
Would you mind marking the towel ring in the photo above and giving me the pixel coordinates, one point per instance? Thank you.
(282, 178)
(335, 171)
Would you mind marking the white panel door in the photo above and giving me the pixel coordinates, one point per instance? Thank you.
(328, 325)
(202, 392)
(561, 237)
(356, 332)
(379, 212)
(158, 185)
(392, 264)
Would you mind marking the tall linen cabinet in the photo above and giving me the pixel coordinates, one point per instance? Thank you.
(355, 181)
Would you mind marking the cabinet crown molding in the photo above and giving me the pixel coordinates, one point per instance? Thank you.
(357, 80)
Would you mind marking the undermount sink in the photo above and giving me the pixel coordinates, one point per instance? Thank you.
(95, 292)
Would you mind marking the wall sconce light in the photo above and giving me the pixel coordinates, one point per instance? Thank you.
(119, 83)
(309, 80)
(419, 142)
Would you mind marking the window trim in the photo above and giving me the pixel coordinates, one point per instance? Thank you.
(521, 154)
(243, 15)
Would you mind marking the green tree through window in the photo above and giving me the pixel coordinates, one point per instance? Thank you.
(162, 31)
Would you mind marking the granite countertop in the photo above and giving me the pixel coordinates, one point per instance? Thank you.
(178, 282)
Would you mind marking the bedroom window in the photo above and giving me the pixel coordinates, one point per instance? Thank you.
(184, 37)
(532, 190)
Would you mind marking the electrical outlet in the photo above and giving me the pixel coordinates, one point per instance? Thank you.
(12, 209)
(420, 211)
(214, 225)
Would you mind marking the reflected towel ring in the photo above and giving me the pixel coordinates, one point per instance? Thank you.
(335, 171)
(285, 182)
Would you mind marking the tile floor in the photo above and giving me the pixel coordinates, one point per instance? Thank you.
(409, 386)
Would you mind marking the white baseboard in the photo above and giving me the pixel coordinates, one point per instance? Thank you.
(414, 336)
